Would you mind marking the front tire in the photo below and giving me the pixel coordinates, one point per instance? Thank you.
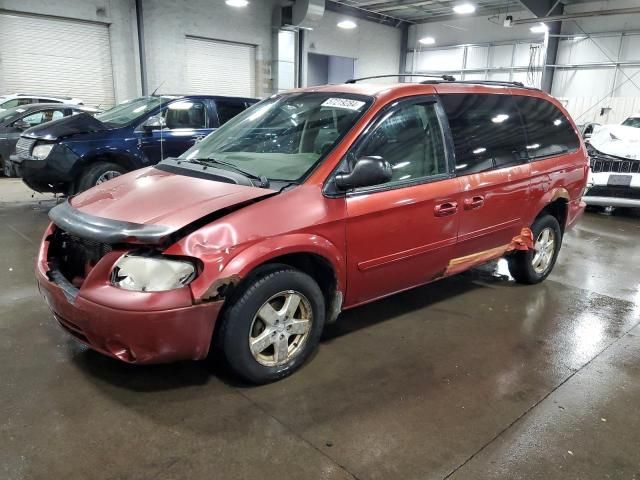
(97, 173)
(533, 266)
(273, 324)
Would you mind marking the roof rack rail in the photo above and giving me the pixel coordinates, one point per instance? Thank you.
(446, 78)
(503, 83)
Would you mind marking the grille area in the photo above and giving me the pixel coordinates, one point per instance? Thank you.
(74, 257)
(600, 162)
(24, 147)
(614, 192)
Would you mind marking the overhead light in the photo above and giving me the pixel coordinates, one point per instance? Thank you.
(557, 122)
(237, 3)
(427, 41)
(540, 28)
(535, 146)
(480, 150)
(501, 117)
(464, 8)
(347, 24)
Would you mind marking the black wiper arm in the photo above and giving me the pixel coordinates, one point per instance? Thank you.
(263, 182)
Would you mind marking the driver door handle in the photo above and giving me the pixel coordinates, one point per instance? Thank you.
(446, 208)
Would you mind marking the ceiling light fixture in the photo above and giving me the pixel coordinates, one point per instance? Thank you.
(464, 8)
(540, 28)
(427, 41)
(237, 3)
(347, 24)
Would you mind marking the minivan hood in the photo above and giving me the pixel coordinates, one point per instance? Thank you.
(154, 197)
(65, 127)
(617, 140)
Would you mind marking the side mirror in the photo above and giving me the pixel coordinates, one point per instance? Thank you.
(155, 122)
(367, 171)
(21, 125)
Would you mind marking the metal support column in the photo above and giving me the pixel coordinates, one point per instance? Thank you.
(141, 52)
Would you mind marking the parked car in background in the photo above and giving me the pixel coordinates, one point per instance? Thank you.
(14, 121)
(73, 154)
(18, 99)
(309, 203)
(614, 176)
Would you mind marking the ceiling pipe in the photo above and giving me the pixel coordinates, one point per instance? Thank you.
(573, 16)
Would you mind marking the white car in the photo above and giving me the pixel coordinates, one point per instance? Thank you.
(17, 99)
(614, 174)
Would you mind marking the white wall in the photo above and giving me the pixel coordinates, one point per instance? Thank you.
(118, 14)
(168, 22)
(375, 47)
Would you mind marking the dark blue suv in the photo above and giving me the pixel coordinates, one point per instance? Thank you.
(73, 154)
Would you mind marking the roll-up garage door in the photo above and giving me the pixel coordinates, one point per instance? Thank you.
(54, 56)
(220, 68)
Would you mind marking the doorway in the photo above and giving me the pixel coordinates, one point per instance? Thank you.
(324, 69)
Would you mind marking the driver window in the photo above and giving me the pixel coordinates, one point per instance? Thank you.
(42, 117)
(410, 139)
(185, 114)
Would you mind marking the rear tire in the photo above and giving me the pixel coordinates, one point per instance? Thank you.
(533, 266)
(264, 334)
(97, 173)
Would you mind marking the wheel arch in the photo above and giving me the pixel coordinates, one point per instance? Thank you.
(313, 255)
(124, 159)
(557, 205)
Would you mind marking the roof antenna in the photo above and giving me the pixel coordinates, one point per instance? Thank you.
(157, 88)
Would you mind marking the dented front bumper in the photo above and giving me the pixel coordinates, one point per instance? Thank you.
(135, 327)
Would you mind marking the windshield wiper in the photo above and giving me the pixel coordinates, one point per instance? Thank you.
(262, 181)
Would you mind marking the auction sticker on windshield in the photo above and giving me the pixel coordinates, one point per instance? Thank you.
(343, 103)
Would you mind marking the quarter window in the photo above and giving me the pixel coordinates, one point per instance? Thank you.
(548, 130)
(410, 139)
(228, 110)
(487, 131)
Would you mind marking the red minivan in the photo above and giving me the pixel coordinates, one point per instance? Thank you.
(309, 203)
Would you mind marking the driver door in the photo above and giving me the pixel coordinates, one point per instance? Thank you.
(186, 122)
(402, 234)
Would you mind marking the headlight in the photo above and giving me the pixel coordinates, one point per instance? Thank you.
(151, 274)
(42, 151)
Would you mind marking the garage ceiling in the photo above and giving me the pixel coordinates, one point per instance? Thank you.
(422, 11)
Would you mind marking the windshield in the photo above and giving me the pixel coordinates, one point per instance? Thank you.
(284, 137)
(128, 111)
(632, 122)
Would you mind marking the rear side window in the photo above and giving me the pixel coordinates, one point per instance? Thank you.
(487, 131)
(228, 110)
(548, 130)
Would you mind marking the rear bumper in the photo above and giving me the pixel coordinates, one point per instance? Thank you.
(576, 209)
(143, 329)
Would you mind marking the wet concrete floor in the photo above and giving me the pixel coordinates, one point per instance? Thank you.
(470, 378)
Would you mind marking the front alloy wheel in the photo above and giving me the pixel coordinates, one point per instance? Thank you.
(280, 328)
(272, 323)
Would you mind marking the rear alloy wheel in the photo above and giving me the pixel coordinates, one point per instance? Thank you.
(533, 266)
(272, 324)
(96, 174)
